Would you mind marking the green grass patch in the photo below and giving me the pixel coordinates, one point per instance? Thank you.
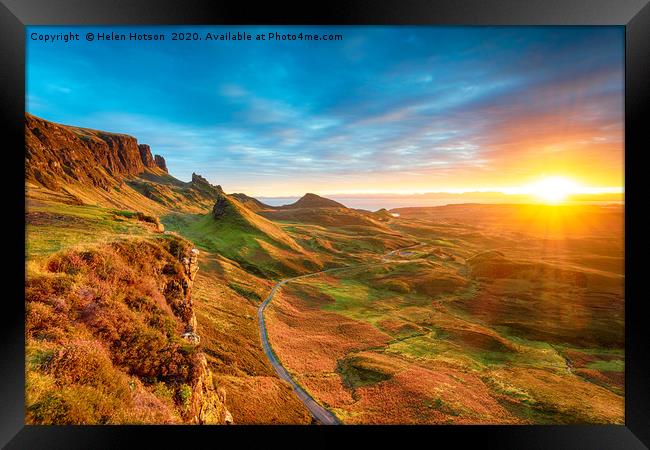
(231, 237)
(53, 228)
(348, 294)
(614, 365)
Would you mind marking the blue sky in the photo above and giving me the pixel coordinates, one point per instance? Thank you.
(387, 109)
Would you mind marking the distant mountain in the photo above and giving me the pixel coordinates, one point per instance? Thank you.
(313, 201)
(306, 201)
(382, 214)
(317, 210)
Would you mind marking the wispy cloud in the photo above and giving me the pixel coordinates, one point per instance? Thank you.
(387, 106)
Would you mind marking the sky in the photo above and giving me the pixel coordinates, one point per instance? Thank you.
(384, 110)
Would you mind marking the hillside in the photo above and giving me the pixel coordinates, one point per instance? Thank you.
(236, 232)
(196, 196)
(306, 201)
(112, 337)
(251, 203)
(80, 166)
(458, 314)
(312, 201)
(327, 216)
(108, 287)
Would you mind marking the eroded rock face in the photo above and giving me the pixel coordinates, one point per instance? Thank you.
(57, 154)
(198, 179)
(207, 404)
(146, 156)
(178, 291)
(160, 162)
(202, 185)
(227, 417)
(219, 208)
(191, 263)
(191, 337)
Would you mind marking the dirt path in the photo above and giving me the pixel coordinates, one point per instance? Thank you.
(319, 412)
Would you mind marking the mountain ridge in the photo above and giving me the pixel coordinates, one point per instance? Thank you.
(57, 152)
(81, 166)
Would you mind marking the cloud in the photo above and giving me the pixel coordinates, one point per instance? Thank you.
(385, 105)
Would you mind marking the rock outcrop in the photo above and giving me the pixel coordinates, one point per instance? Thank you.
(206, 405)
(160, 162)
(220, 207)
(60, 154)
(191, 267)
(146, 156)
(178, 291)
(199, 180)
(204, 187)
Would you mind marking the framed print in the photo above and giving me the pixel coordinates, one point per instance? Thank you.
(315, 223)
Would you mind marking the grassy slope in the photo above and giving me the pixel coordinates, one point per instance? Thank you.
(52, 227)
(225, 302)
(253, 249)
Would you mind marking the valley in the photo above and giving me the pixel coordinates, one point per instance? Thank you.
(459, 314)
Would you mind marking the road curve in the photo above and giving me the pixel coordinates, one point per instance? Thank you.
(320, 413)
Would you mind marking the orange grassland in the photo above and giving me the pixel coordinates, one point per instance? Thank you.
(481, 324)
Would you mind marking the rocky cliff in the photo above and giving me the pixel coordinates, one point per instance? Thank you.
(81, 166)
(202, 185)
(146, 156)
(59, 154)
(206, 404)
(160, 162)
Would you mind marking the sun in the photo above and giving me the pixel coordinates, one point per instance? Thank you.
(553, 190)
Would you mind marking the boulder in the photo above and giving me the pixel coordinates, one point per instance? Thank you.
(191, 337)
(219, 208)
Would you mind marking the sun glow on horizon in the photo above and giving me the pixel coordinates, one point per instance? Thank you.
(553, 190)
(549, 189)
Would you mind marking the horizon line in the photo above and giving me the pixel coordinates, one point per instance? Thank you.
(601, 191)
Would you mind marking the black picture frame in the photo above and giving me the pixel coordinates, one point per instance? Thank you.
(634, 15)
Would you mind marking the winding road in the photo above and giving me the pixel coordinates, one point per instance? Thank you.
(319, 412)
